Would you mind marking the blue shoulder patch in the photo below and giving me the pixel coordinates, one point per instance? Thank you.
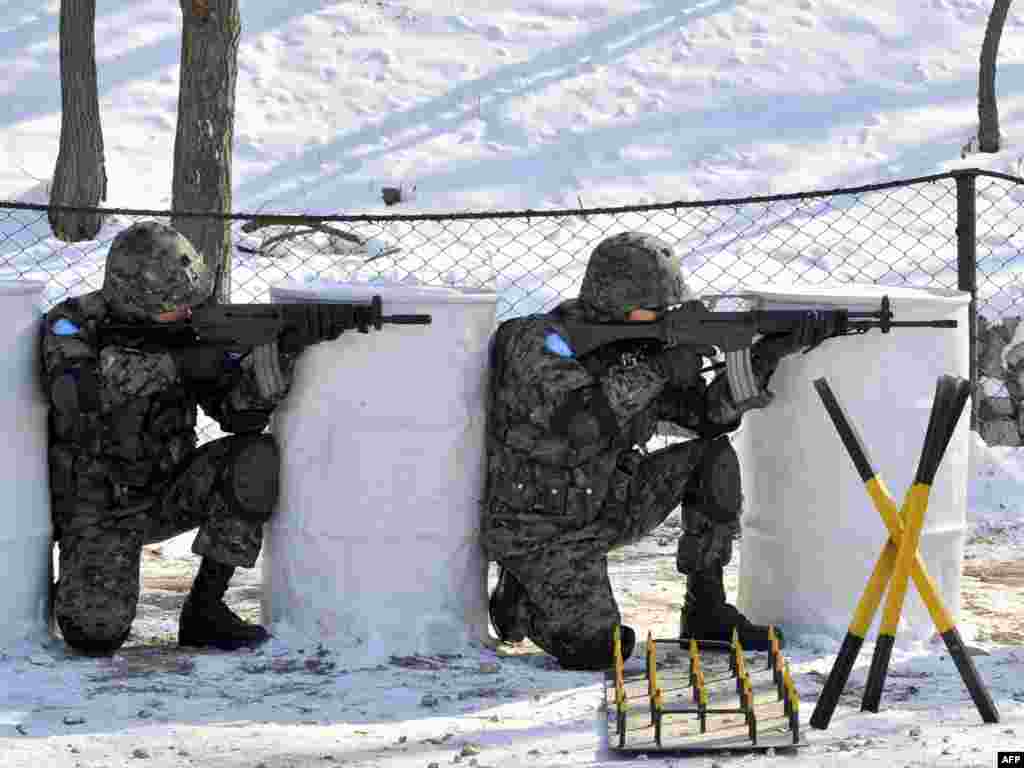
(555, 343)
(65, 327)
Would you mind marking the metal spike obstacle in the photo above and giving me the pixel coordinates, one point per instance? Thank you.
(701, 696)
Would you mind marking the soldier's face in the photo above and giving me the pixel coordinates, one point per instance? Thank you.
(642, 316)
(175, 315)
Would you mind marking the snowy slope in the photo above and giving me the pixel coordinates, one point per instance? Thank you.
(539, 104)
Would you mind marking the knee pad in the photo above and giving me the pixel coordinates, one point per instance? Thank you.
(92, 622)
(95, 640)
(596, 652)
(252, 476)
(715, 488)
(97, 593)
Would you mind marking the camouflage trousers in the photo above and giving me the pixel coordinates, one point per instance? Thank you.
(98, 587)
(569, 606)
(711, 511)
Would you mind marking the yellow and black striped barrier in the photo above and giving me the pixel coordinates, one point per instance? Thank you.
(899, 560)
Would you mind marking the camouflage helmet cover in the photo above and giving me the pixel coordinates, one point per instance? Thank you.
(152, 268)
(631, 270)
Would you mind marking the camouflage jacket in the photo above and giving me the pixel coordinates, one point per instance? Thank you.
(538, 463)
(133, 427)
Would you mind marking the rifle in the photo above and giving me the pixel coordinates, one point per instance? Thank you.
(733, 333)
(242, 326)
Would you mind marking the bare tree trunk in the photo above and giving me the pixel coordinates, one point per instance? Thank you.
(988, 112)
(79, 177)
(205, 135)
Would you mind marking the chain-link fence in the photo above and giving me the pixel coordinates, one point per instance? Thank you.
(959, 230)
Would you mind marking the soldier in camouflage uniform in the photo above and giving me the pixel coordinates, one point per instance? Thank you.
(125, 469)
(566, 480)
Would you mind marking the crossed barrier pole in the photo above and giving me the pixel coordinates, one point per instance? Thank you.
(899, 560)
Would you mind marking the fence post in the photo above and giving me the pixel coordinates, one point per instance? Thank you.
(966, 262)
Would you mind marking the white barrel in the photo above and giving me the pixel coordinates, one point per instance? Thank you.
(811, 534)
(374, 549)
(26, 531)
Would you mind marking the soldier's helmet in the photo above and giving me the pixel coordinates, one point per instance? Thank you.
(631, 270)
(152, 268)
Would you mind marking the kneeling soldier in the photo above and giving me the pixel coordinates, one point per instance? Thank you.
(125, 469)
(567, 482)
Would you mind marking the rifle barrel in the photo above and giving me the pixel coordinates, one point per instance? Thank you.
(406, 319)
(904, 324)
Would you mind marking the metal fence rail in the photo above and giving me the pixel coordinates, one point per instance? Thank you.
(958, 230)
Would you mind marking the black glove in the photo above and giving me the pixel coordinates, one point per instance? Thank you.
(201, 363)
(311, 323)
(680, 365)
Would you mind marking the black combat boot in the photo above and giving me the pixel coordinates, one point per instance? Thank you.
(505, 607)
(707, 616)
(206, 621)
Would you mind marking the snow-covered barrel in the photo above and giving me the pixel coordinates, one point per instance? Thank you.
(25, 528)
(810, 532)
(374, 549)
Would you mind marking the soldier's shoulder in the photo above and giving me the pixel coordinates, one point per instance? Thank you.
(525, 329)
(519, 325)
(69, 328)
(86, 308)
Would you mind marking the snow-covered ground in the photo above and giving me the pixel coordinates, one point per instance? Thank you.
(505, 105)
(287, 706)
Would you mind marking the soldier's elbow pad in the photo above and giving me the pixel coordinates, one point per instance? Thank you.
(75, 391)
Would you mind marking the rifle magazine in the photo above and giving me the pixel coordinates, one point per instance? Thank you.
(744, 383)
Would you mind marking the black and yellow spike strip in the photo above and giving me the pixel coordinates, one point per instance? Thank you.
(886, 564)
(659, 706)
(736, 655)
(684, 642)
(699, 684)
(747, 705)
(620, 686)
(741, 672)
(700, 691)
(775, 659)
(791, 705)
(744, 688)
(694, 654)
(696, 669)
(653, 689)
(778, 670)
(702, 704)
